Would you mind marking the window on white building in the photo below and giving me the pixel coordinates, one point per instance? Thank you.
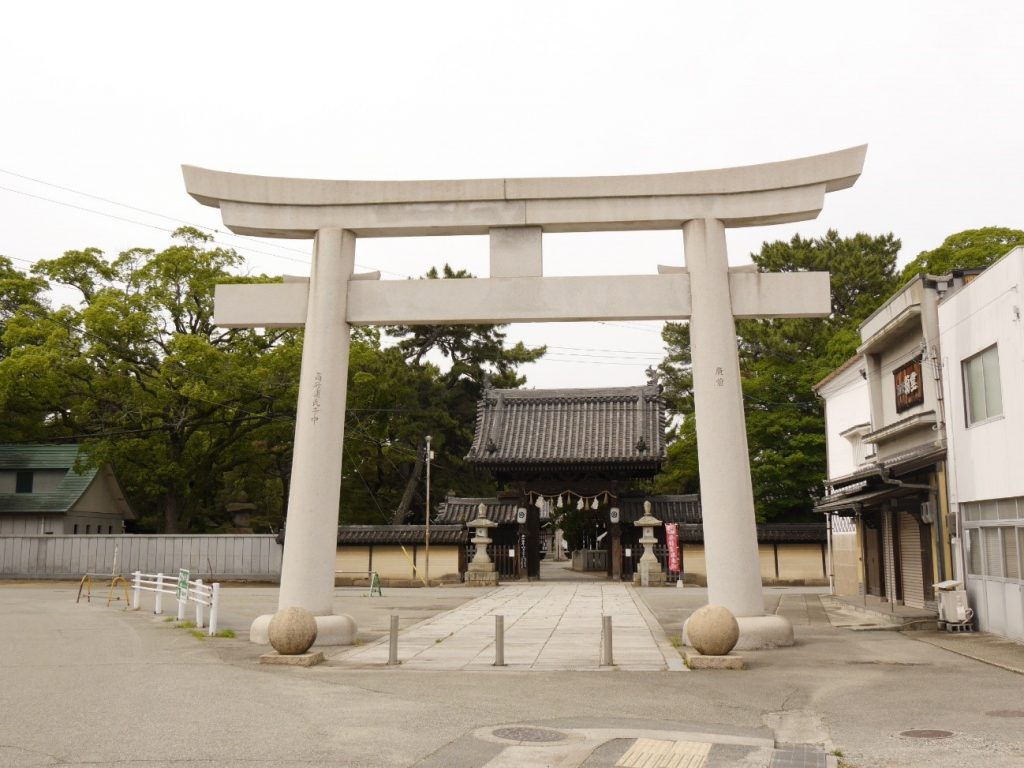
(983, 396)
(974, 562)
(993, 562)
(1011, 558)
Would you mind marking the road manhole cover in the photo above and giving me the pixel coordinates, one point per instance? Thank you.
(537, 735)
(926, 733)
(1006, 713)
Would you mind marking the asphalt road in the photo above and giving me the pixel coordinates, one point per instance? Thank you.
(91, 685)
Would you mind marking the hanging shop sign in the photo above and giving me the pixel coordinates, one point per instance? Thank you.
(909, 389)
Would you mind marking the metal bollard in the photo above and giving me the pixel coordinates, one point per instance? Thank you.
(499, 641)
(214, 608)
(158, 607)
(606, 641)
(393, 641)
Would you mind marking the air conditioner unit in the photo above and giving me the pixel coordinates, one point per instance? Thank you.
(953, 607)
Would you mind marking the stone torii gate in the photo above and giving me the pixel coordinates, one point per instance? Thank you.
(515, 213)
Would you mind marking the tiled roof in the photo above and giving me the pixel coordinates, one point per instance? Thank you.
(59, 501)
(462, 510)
(668, 509)
(38, 456)
(899, 463)
(612, 426)
(681, 509)
(401, 534)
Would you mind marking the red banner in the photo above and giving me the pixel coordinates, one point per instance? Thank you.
(672, 539)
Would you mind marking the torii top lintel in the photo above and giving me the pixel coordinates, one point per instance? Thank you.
(770, 193)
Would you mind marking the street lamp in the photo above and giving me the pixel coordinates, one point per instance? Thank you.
(426, 567)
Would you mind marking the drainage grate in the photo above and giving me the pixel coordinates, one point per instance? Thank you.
(536, 735)
(1006, 713)
(927, 734)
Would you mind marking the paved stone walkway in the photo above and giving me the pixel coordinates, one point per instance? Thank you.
(547, 627)
(572, 743)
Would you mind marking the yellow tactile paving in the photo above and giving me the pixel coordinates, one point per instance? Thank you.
(655, 753)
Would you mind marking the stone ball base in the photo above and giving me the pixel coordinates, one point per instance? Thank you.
(292, 631)
(330, 630)
(758, 632)
(713, 630)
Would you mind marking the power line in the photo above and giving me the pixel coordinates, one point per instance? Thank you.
(135, 208)
(213, 230)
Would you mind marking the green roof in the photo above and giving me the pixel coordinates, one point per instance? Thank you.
(59, 501)
(38, 456)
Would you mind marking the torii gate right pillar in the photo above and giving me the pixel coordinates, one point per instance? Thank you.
(727, 498)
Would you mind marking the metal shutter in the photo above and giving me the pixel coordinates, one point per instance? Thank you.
(887, 556)
(910, 561)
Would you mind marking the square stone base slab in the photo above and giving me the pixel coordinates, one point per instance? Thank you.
(696, 660)
(654, 579)
(308, 659)
(482, 578)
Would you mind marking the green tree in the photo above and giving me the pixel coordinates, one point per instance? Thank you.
(22, 296)
(473, 354)
(191, 415)
(780, 361)
(970, 248)
(139, 371)
(18, 292)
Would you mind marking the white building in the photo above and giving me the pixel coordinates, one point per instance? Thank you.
(887, 452)
(982, 334)
(847, 420)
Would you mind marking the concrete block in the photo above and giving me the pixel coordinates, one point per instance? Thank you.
(309, 659)
(516, 252)
(696, 660)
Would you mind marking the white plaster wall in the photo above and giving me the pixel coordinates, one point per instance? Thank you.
(985, 458)
(43, 480)
(29, 525)
(900, 353)
(846, 405)
(98, 525)
(895, 306)
(98, 499)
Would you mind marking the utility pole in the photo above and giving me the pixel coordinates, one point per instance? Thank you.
(426, 568)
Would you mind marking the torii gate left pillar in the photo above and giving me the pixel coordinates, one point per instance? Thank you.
(516, 213)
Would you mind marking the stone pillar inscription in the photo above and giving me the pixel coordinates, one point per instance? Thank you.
(312, 533)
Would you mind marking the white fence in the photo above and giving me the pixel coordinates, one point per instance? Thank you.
(181, 589)
(222, 557)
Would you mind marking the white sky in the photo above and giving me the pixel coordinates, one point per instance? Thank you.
(110, 98)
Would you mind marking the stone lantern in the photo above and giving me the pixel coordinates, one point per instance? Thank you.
(241, 511)
(482, 572)
(649, 573)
